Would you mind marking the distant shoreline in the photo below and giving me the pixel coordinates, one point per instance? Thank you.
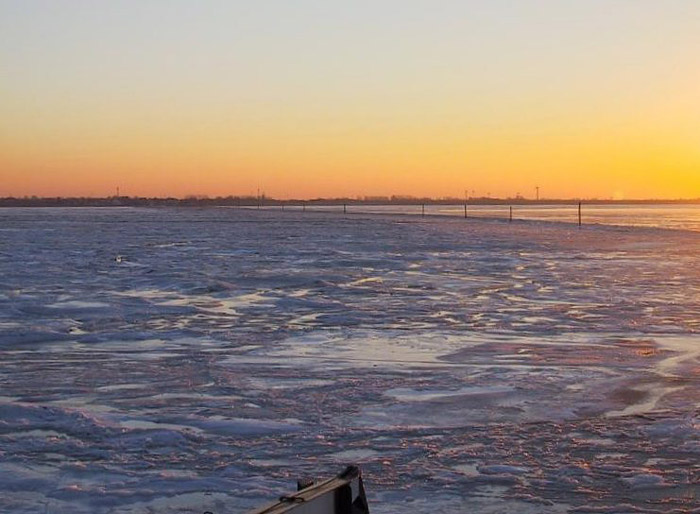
(251, 201)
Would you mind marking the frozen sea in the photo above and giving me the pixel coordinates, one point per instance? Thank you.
(192, 360)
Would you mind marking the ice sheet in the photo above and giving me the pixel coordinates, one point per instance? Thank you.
(203, 359)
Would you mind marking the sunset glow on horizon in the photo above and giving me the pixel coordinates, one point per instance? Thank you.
(308, 99)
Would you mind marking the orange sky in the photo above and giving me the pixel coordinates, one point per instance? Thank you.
(158, 98)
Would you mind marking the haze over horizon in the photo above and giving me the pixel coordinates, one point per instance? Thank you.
(318, 99)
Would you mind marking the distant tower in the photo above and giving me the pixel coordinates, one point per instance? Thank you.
(117, 191)
(537, 193)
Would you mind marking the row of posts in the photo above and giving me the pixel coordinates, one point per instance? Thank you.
(422, 213)
(510, 212)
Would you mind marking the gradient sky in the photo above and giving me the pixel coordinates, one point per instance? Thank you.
(320, 98)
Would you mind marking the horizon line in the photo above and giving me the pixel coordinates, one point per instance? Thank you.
(373, 199)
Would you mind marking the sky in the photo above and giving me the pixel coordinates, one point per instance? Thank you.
(590, 98)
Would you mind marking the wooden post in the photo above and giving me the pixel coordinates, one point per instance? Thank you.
(579, 214)
(345, 208)
(465, 210)
(422, 212)
(510, 215)
(303, 207)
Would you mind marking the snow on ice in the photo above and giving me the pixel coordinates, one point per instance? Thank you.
(185, 360)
